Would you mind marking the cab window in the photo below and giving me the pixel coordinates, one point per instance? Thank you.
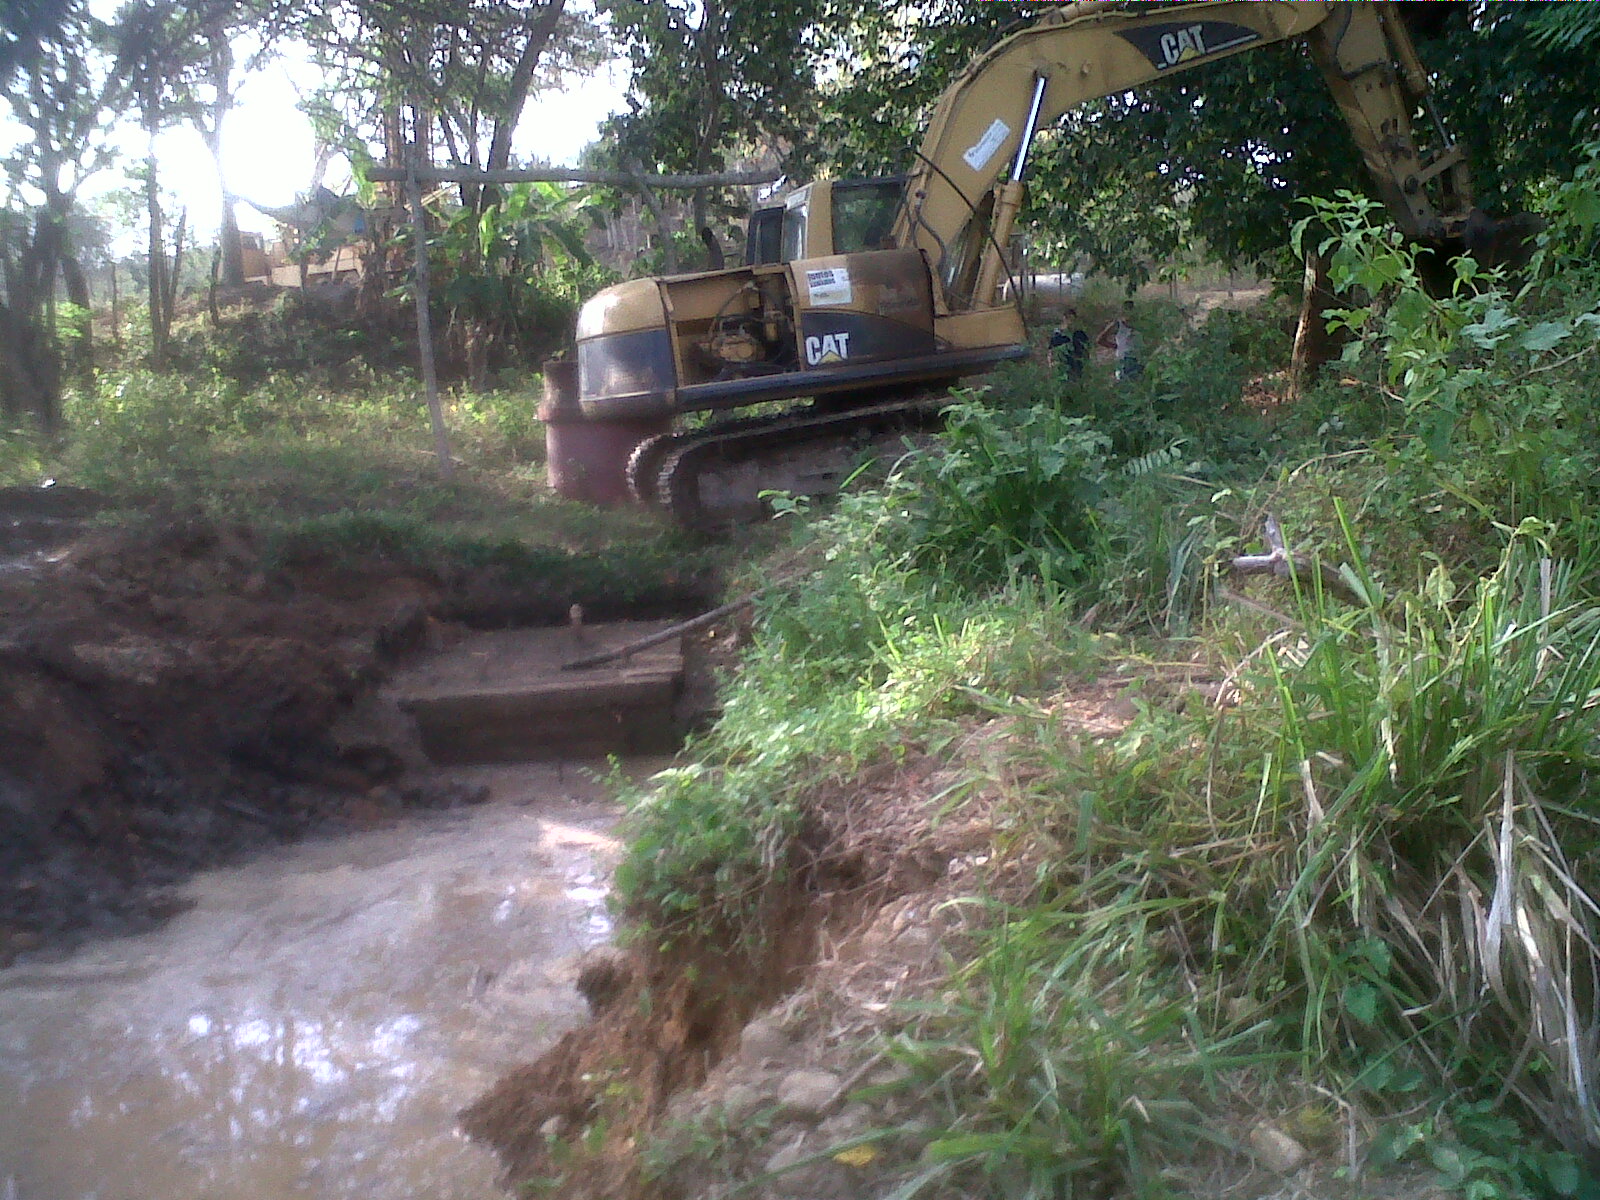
(794, 233)
(864, 212)
(764, 243)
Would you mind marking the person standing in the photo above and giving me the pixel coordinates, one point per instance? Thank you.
(1122, 339)
(1069, 345)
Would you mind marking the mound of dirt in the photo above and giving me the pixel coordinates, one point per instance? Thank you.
(167, 699)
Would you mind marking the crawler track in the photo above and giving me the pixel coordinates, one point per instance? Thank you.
(714, 477)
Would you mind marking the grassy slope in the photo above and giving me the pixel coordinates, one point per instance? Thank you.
(1355, 867)
(1357, 872)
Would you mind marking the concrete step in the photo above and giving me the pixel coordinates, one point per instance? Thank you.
(502, 697)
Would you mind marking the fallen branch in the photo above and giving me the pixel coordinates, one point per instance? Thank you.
(671, 631)
(1285, 565)
(793, 568)
(1229, 596)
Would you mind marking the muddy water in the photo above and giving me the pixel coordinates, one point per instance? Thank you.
(311, 1025)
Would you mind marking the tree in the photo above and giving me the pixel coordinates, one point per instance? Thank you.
(211, 91)
(25, 25)
(157, 53)
(1515, 82)
(62, 96)
(712, 80)
(472, 64)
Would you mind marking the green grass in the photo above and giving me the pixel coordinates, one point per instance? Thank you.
(351, 472)
(845, 673)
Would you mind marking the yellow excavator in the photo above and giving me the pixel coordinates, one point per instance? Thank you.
(870, 297)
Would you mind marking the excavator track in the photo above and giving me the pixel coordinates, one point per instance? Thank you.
(644, 466)
(714, 477)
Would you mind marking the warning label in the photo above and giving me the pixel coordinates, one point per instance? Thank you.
(829, 285)
(981, 151)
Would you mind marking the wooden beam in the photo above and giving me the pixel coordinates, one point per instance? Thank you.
(574, 175)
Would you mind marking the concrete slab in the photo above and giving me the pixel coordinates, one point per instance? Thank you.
(502, 697)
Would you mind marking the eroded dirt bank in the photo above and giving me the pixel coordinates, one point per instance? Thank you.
(685, 1043)
(174, 696)
(311, 1024)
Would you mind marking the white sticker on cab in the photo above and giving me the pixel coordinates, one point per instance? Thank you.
(981, 151)
(829, 285)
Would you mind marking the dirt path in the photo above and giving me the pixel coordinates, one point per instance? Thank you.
(312, 1024)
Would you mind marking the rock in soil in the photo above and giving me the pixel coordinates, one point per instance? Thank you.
(1276, 1150)
(764, 1041)
(808, 1094)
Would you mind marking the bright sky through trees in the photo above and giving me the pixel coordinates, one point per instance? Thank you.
(269, 150)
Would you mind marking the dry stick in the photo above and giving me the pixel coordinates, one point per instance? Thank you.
(1230, 596)
(1281, 562)
(790, 562)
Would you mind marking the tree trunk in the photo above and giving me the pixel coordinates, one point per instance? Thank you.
(230, 244)
(539, 35)
(711, 107)
(419, 233)
(170, 300)
(479, 341)
(30, 372)
(157, 254)
(221, 65)
(1312, 344)
(211, 289)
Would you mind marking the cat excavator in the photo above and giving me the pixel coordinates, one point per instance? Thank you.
(867, 299)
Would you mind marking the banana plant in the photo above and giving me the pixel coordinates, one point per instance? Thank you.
(510, 273)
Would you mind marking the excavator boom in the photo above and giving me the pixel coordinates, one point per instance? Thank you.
(982, 127)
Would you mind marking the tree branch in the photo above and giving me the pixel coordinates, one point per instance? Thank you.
(521, 77)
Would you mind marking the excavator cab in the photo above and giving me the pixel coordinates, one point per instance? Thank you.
(831, 217)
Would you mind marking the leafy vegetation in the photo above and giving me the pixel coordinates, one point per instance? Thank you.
(1364, 873)
(334, 460)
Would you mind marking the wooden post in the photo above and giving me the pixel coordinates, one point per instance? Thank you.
(419, 241)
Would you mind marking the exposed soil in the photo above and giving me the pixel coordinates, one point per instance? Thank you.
(874, 863)
(172, 695)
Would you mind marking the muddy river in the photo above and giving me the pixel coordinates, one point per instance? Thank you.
(312, 1023)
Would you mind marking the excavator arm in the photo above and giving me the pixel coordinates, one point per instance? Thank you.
(966, 186)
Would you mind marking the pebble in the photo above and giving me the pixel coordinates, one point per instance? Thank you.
(741, 1101)
(817, 1181)
(807, 1094)
(1276, 1150)
(853, 1121)
(764, 1040)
